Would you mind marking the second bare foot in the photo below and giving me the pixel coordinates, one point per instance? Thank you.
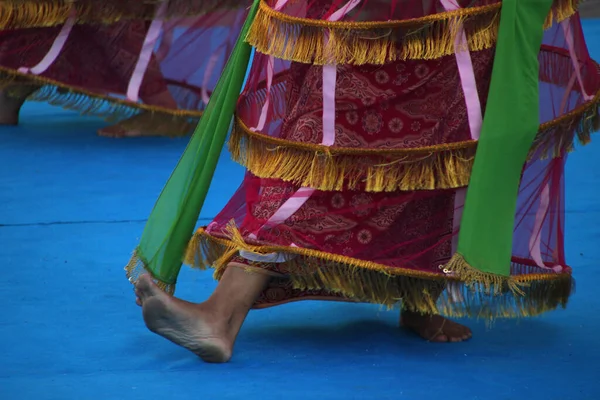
(435, 328)
(144, 124)
(12, 99)
(9, 109)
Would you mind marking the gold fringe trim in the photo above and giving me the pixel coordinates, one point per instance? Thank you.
(384, 170)
(325, 168)
(156, 119)
(303, 40)
(137, 267)
(556, 67)
(46, 13)
(482, 281)
(558, 136)
(366, 281)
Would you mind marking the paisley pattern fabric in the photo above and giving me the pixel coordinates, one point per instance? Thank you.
(415, 103)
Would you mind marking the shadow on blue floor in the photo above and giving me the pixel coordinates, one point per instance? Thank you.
(72, 206)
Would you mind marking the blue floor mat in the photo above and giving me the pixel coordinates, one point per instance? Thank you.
(72, 207)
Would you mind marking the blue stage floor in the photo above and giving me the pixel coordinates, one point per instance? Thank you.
(72, 206)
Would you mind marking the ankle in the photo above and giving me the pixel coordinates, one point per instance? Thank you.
(216, 315)
(414, 315)
(10, 103)
(225, 321)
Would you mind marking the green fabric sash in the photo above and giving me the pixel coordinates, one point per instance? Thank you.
(510, 125)
(173, 219)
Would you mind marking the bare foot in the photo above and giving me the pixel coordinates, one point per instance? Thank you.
(183, 323)
(435, 328)
(9, 109)
(12, 98)
(124, 129)
(144, 124)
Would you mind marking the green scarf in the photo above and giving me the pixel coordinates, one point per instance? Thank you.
(510, 125)
(173, 219)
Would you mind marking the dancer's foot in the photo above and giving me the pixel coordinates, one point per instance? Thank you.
(143, 124)
(9, 108)
(186, 324)
(125, 128)
(12, 98)
(435, 328)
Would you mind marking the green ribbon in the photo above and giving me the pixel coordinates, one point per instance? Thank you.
(173, 219)
(510, 125)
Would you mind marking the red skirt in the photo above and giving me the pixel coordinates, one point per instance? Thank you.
(362, 244)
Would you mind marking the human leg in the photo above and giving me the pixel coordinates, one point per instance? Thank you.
(12, 99)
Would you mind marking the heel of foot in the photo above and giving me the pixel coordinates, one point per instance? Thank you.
(183, 325)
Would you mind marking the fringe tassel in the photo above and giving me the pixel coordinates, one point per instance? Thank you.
(374, 170)
(556, 67)
(481, 281)
(559, 136)
(279, 103)
(303, 40)
(158, 120)
(561, 10)
(524, 294)
(315, 166)
(45, 13)
(137, 267)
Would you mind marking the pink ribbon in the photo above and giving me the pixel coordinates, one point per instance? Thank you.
(133, 89)
(329, 81)
(535, 240)
(289, 207)
(167, 40)
(212, 61)
(55, 49)
(469, 87)
(280, 4)
(566, 26)
(262, 119)
(301, 196)
(467, 75)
